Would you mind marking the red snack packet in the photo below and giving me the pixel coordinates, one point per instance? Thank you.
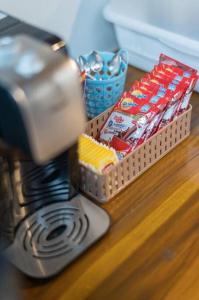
(169, 115)
(162, 68)
(175, 65)
(143, 116)
(170, 82)
(158, 89)
(153, 126)
(172, 93)
(177, 74)
(146, 86)
(175, 90)
(158, 79)
(120, 121)
(178, 88)
(137, 85)
(172, 72)
(121, 146)
(187, 95)
(156, 94)
(161, 98)
(166, 60)
(161, 76)
(170, 103)
(131, 102)
(140, 92)
(187, 83)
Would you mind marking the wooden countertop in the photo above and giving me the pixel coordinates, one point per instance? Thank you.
(152, 248)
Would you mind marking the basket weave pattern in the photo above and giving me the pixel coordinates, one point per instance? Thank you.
(104, 187)
(102, 94)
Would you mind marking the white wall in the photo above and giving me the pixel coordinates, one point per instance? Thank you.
(53, 15)
(79, 22)
(91, 31)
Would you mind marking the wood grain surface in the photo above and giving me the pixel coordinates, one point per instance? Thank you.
(152, 248)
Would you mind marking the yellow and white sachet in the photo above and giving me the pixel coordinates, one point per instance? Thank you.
(95, 155)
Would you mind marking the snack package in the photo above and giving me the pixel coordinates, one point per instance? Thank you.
(152, 86)
(187, 96)
(157, 94)
(126, 115)
(165, 100)
(95, 155)
(139, 92)
(166, 85)
(187, 71)
(178, 88)
(121, 119)
(159, 91)
(184, 84)
(170, 70)
(169, 115)
(153, 126)
(143, 115)
(121, 146)
(166, 60)
(117, 124)
(177, 74)
(191, 82)
(164, 81)
(149, 88)
(170, 82)
(173, 96)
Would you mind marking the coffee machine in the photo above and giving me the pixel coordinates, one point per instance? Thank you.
(45, 222)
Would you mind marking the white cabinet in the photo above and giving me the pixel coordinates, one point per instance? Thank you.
(148, 27)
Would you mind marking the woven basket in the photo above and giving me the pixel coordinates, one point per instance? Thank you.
(104, 187)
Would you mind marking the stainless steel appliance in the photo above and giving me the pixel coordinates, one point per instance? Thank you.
(46, 223)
